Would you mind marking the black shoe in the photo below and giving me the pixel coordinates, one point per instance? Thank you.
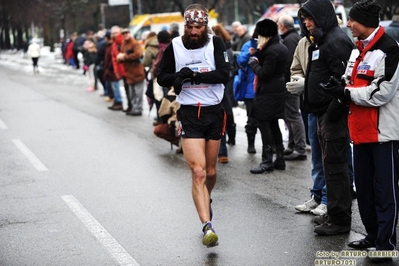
(231, 142)
(279, 164)
(135, 113)
(288, 151)
(320, 219)
(362, 244)
(329, 229)
(251, 150)
(295, 156)
(263, 167)
(127, 110)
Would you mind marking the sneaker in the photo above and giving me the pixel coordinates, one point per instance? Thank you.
(320, 210)
(307, 206)
(90, 89)
(210, 239)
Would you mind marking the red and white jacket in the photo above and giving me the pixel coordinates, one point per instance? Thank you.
(373, 81)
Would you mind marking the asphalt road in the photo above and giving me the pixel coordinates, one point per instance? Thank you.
(82, 185)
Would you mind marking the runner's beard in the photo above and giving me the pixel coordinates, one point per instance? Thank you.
(197, 43)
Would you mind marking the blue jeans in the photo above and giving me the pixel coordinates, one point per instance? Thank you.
(117, 92)
(319, 183)
(223, 146)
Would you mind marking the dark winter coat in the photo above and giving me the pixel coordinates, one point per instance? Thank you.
(269, 98)
(290, 40)
(328, 54)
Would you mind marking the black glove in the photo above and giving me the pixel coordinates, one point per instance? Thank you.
(336, 89)
(196, 78)
(178, 83)
(336, 110)
(253, 61)
(185, 72)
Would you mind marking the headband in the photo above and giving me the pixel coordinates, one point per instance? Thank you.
(195, 16)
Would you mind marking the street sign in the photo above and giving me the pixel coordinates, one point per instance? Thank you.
(118, 2)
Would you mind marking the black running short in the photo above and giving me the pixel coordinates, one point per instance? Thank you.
(201, 122)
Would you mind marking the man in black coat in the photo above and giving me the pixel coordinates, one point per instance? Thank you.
(329, 51)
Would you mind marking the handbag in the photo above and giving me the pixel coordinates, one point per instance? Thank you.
(158, 91)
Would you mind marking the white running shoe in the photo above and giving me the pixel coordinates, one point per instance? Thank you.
(320, 210)
(307, 206)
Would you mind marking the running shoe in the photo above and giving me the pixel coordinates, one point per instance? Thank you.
(210, 239)
(307, 206)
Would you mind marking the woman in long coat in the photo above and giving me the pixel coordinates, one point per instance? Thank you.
(269, 66)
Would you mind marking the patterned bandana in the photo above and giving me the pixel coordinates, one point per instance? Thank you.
(196, 17)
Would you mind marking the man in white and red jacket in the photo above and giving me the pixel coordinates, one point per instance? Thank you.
(371, 89)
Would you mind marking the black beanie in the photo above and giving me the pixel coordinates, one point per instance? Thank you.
(265, 28)
(366, 12)
(163, 36)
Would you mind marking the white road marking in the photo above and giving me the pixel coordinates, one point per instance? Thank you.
(31, 157)
(2, 125)
(113, 247)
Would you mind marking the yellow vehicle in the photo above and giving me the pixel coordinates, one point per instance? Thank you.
(161, 21)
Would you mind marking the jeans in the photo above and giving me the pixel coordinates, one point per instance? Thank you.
(117, 92)
(223, 146)
(319, 183)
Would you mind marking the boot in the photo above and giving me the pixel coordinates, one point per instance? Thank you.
(267, 162)
(279, 163)
(231, 133)
(251, 144)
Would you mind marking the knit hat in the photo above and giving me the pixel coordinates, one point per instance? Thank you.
(163, 36)
(366, 12)
(265, 28)
(108, 34)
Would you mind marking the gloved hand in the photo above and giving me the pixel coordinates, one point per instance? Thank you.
(185, 72)
(296, 86)
(336, 110)
(178, 83)
(253, 61)
(336, 89)
(196, 78)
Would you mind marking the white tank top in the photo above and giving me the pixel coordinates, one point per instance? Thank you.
(199, 60)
